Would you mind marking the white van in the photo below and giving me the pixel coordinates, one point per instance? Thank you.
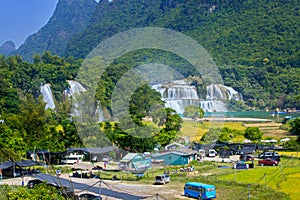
(72, 159)
(212, 153)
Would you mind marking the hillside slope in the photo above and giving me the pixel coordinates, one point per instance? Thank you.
(233, 31)
(69, 18)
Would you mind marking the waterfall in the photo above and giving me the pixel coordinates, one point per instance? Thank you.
(213, 106)
(180, 93)
(47, 96)
(75, 89)
(222, 92)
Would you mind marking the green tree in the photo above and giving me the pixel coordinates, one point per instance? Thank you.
(253, 134)
(142, 101)
(295, 124)
(33, 122)
(212, 135)
(171, 128)
(40, 191)
(193, 111)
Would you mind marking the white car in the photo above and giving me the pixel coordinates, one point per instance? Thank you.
(212, 153)
(162, 179)
(268, 154)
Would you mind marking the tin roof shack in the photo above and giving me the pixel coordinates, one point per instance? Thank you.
(176, 157)
(134, 161)
(16, 169)
(173, 146)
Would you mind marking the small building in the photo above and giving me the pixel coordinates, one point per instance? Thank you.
(174, 145)
(134, 161)
(176, 157)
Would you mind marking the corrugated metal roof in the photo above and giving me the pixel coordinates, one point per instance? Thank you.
(93, 150)
(169, 152)
(128, 157)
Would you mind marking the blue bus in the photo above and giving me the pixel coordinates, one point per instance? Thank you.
(199, 190)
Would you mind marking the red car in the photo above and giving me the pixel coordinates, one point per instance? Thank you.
(268, 161)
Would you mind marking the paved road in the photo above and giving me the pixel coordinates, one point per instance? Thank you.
(82, 186)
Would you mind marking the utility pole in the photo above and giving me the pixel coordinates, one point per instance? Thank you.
(100, 187)
(265, 180)
(248, 191)
(235, 175)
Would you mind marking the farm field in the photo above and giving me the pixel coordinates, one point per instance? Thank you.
(283, 178)
(195, 130)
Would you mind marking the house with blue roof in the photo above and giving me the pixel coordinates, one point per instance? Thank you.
(176, 157)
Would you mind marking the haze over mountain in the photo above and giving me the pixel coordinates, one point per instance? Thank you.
(69, 18)
(7, 48)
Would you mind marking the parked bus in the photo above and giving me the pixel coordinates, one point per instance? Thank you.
(72, 159)
(199, 190)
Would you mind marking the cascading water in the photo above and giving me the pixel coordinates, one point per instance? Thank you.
(180, 93)
(75, 89)
(47, 96)
(222, 92)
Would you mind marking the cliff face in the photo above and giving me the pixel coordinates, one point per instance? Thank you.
(7, 48)
(69, 18)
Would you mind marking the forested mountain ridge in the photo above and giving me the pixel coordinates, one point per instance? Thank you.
(255, 44)
(233, 31)
(69, 18)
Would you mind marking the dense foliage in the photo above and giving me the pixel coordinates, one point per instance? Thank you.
(40, 191)
(254, 44)
(25, 124)
(253, 134)
(165, 129)
(220, 134)
(295, 127)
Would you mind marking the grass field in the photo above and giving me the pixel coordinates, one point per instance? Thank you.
(278, 182)
(283, 178)
(195, 130)
(288, 153)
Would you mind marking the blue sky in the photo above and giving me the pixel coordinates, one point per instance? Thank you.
(21, 18)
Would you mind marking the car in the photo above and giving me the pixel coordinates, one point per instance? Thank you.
(105, 159)
(88, 196)
(268, 154)
(162, 179)
(212, 153)
(268, 161)
(32, 183)
(246, 157)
